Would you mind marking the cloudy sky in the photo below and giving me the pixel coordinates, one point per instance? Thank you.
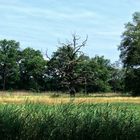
(42, 23)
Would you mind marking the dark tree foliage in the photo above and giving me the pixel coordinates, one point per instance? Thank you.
(95, 73)
(32, 70)
(117, 77)
(132, 81)
(130, 44)
(130, 54)
(9, 68)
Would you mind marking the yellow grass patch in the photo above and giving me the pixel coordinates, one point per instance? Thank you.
(22, 97)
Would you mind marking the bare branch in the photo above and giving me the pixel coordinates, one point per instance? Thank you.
(47, 55)
(83, 44)
(77, 48)
(75, 39)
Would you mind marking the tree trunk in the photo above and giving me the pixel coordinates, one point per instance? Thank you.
(85, 85)
(4, 81)
(72, 91)
(4, 77)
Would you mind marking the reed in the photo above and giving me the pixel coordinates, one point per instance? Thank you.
(69, 121)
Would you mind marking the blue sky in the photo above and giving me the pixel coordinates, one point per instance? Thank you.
(42, 23)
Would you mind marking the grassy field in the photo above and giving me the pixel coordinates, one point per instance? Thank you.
(55, 98)
(49, 116)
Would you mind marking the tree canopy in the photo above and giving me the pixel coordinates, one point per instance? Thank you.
(130, 54)
(130, 44)
(9, 68)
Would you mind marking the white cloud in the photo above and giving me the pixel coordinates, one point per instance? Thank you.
(109, 33)
(23, 9)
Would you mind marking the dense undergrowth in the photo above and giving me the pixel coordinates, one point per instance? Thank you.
(69, 122)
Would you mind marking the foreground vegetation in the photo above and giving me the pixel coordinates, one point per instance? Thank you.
(54, 116)
(70, 122)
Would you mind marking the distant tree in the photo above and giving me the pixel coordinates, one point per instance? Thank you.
(32, 70)
(130, 54)
(101, 69)
(95, 74)
(9, 50)
(63, 64)
(117, 75)
(85, 73)
(102, 73)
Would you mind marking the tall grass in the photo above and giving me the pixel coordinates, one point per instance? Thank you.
(69, 122)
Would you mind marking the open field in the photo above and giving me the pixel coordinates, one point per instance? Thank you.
(53, 98)
(49, 116)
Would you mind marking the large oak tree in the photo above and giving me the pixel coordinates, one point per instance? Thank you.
(130, 54)
(63, 64)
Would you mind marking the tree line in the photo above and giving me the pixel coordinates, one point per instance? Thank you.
(69, 69)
